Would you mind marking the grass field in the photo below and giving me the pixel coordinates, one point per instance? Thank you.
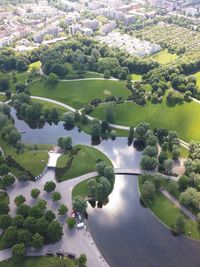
(81, 189)
(79, 93)
(136, 77)
(185, 118)
(84, 162)
(39, 262)
(164, 57)
(167, 212)
(32, 160)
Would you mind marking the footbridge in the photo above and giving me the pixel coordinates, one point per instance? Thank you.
(131, 171)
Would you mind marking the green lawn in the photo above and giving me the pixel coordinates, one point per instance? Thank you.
(185, 118)
(167, 212)
(39, 262)
(21, 79)
(79, 93)
(35, 65)
(84, 162)
(32, 160)
(2, 98)
(136, 77)
(81, 189)
(197, 75)
(164, 57)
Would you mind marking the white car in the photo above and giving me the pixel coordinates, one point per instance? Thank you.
(80, 225)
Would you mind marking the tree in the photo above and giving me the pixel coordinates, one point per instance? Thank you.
(109, 114)
(18, 221)
(4, 208)
(141, 131)
(54, 232)
(103, 188)
(148, 190)
(100, 167)
(92, 187)
(19, 200)
(106, 74)
(69, 118)
(150, 151)
(49, 186)
(65, 143)
(180, 224)
(168, 165)
(53, 78)
(5, 221)
(109, 173)
(131, 135)
(18, 252)
(41, 226)
(173, 187)
(56, 196)
(71, 222)
(59, 69)
(96, 130)
(4, 169)
(82, 260)
(79, 204)
(24, 236)
(49, 216)
(8, 180)
(37, 240)
(198, 220)
(35, 193)
(148, 163)
(10, 236)
(183, 182)
(21, 65)
(62, 209)
(30, 224)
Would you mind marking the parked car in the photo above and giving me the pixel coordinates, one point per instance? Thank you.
(71, 255)
(49, 252)
(80, 225)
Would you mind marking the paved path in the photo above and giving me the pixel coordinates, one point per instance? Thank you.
(177, 203)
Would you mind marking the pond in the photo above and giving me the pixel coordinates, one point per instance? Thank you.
(126, 233)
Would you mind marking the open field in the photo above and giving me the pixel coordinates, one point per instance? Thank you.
(185, 118)
(165, 210)
(79, 93)
(39, 262)
(83, 162)
(173, 35)
(32, 160)
(164, 57)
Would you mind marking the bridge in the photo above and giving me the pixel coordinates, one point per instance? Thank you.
(131, 171)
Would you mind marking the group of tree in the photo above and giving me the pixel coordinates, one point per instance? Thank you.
(100, 187)
(34, 111)
(31, 226)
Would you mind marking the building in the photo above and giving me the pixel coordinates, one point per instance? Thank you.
(109, 27)
(74, 29)
(91, 24)
(87, 31)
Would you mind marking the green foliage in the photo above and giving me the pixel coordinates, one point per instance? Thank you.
(71, 222)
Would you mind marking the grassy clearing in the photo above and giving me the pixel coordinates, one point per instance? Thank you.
(83, 162)
(32, 160)
(164, 57)
(136, 77)
(37, 65)
(78, 93)
(168, 213)
(185, 118)
(39, 262)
